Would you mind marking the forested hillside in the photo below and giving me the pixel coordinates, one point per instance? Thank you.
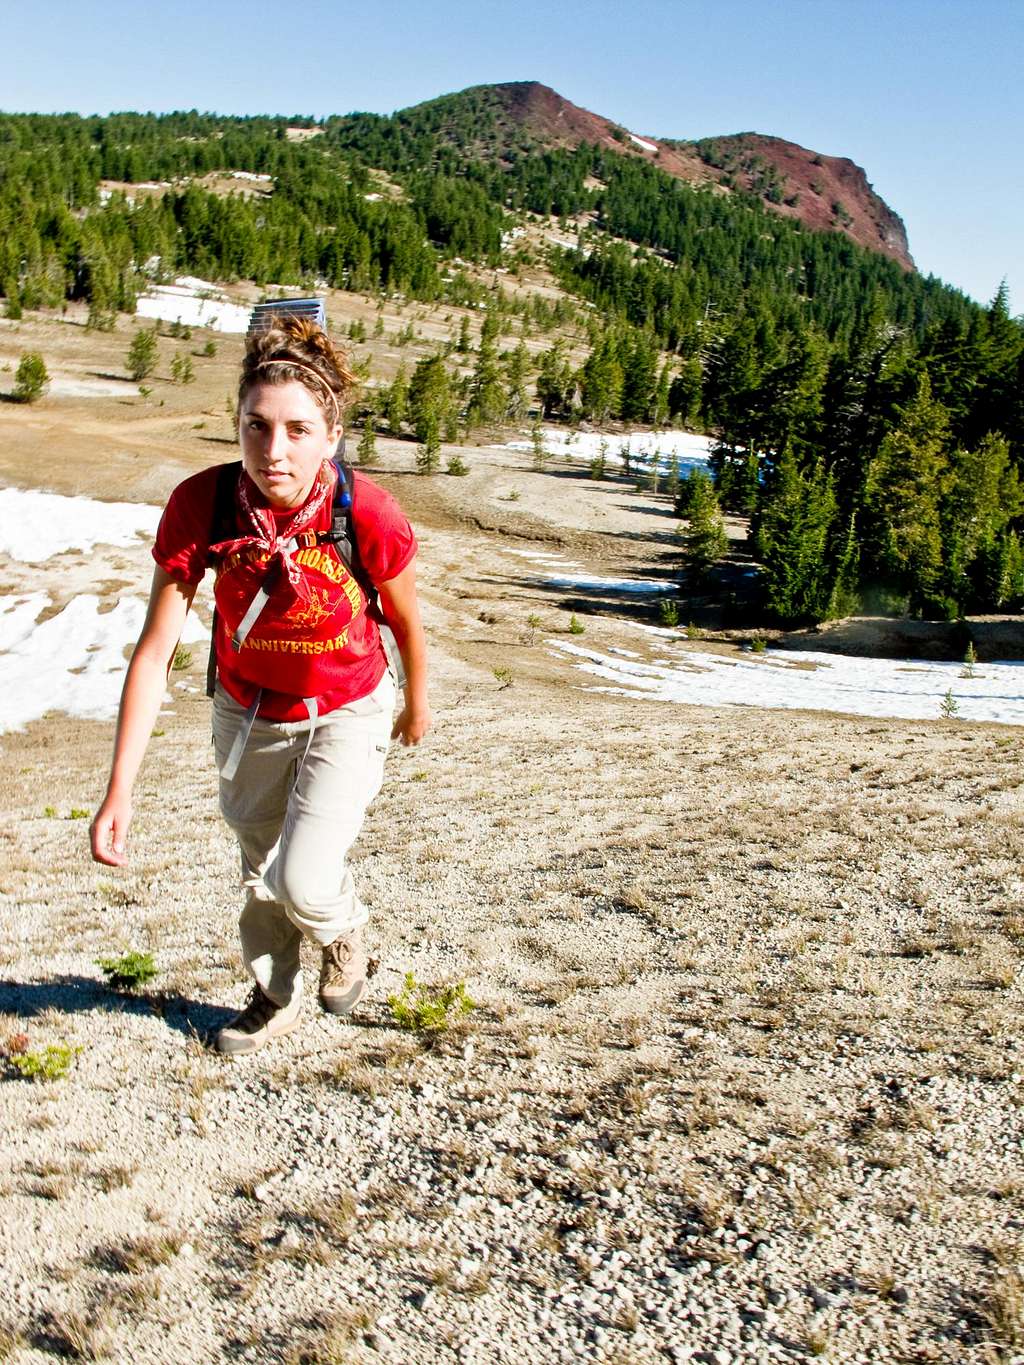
(869, 420)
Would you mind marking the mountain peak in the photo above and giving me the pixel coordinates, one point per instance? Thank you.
(825, 193)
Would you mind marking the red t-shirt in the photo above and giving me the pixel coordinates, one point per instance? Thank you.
(328, 646)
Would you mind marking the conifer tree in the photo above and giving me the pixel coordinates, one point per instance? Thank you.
(516, 364)
(30, 378)
(142, 353)
(430, 398)
(555, 382)
(366, 450)
(905, 487)
(428, 455)
(661, 400)
(704, 537)
(486, 390)
(396, 403)
(793, 542)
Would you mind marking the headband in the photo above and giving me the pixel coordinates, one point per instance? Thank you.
(298, 365)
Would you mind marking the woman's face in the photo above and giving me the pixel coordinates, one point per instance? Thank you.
(284, 438)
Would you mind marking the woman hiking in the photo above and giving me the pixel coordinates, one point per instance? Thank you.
(304, 697)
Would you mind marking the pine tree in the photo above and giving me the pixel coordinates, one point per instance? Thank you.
(905, 487)
(793, 534)
(516, 401)
(486, 390)
(661, 401)
(540, 453)
(142, 353)
(428, 455)
(985, 497)
(672, 478)
(704, 539)
(30, 378)
(182, 370)
(396, 404)
(430, 398)
(555, 382)
(366, 450)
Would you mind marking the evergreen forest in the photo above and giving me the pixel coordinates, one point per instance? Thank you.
(868, 420)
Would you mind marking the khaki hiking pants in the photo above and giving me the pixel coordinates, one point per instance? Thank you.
(294, 833)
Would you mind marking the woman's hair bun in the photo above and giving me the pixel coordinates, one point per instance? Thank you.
(313, 356)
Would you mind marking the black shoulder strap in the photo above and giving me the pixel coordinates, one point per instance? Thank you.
(222, 524)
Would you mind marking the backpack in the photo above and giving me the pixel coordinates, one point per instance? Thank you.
(341, 535)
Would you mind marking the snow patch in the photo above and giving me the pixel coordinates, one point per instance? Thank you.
(906, 689)
(35, 525)
(74, 662)
(642, 142)
(193, 303)
(691, 451)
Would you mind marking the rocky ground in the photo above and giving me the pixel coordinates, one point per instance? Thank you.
(742, 1080)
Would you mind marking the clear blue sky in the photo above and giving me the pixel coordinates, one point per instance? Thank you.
(926, 95)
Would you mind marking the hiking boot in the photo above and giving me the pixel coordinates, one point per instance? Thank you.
(343, 973)
(260, 1021)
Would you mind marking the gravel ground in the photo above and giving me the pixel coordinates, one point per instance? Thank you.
(743, 1077)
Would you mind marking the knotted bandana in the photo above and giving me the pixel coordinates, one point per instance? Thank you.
(271, 537)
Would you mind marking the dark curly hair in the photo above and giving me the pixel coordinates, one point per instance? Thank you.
(296, 350)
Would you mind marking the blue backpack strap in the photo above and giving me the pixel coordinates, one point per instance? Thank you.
(343, 534)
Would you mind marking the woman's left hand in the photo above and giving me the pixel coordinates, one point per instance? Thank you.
(411, 725)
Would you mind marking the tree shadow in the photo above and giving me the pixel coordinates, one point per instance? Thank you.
(68, 994)
(118, 378)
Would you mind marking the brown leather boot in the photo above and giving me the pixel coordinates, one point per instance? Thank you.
(343, 973)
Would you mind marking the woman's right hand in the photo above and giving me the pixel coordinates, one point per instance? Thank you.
(108, 832)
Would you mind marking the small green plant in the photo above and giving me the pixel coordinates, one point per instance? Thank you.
(949, 706)
(504, 676)
(144, 391)
(79, 813)
(129, 971)
(540, 453)
(182, 370)
(210, 349)
(50, 812)
(30, 378)
(49, 1063)
(759, 644)
(668, 612)
(970, 660)
(458, 466)
(512, 496)
(693, 632)
(576, 626)
(420, 775)
(182, 658)
(420, 1009)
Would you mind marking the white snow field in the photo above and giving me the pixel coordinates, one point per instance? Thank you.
(74, 661)
(910, 689)
(193, 303)
(690, 450)
(35, 525)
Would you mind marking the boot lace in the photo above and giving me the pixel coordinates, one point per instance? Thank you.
(259, 1008)
(336, 957)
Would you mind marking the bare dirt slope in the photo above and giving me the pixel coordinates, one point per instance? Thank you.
(743, 1079)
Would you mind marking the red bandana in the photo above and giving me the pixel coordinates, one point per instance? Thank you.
(269, 535)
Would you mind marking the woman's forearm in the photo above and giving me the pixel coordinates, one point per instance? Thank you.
(141, 696)
(144, 688)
